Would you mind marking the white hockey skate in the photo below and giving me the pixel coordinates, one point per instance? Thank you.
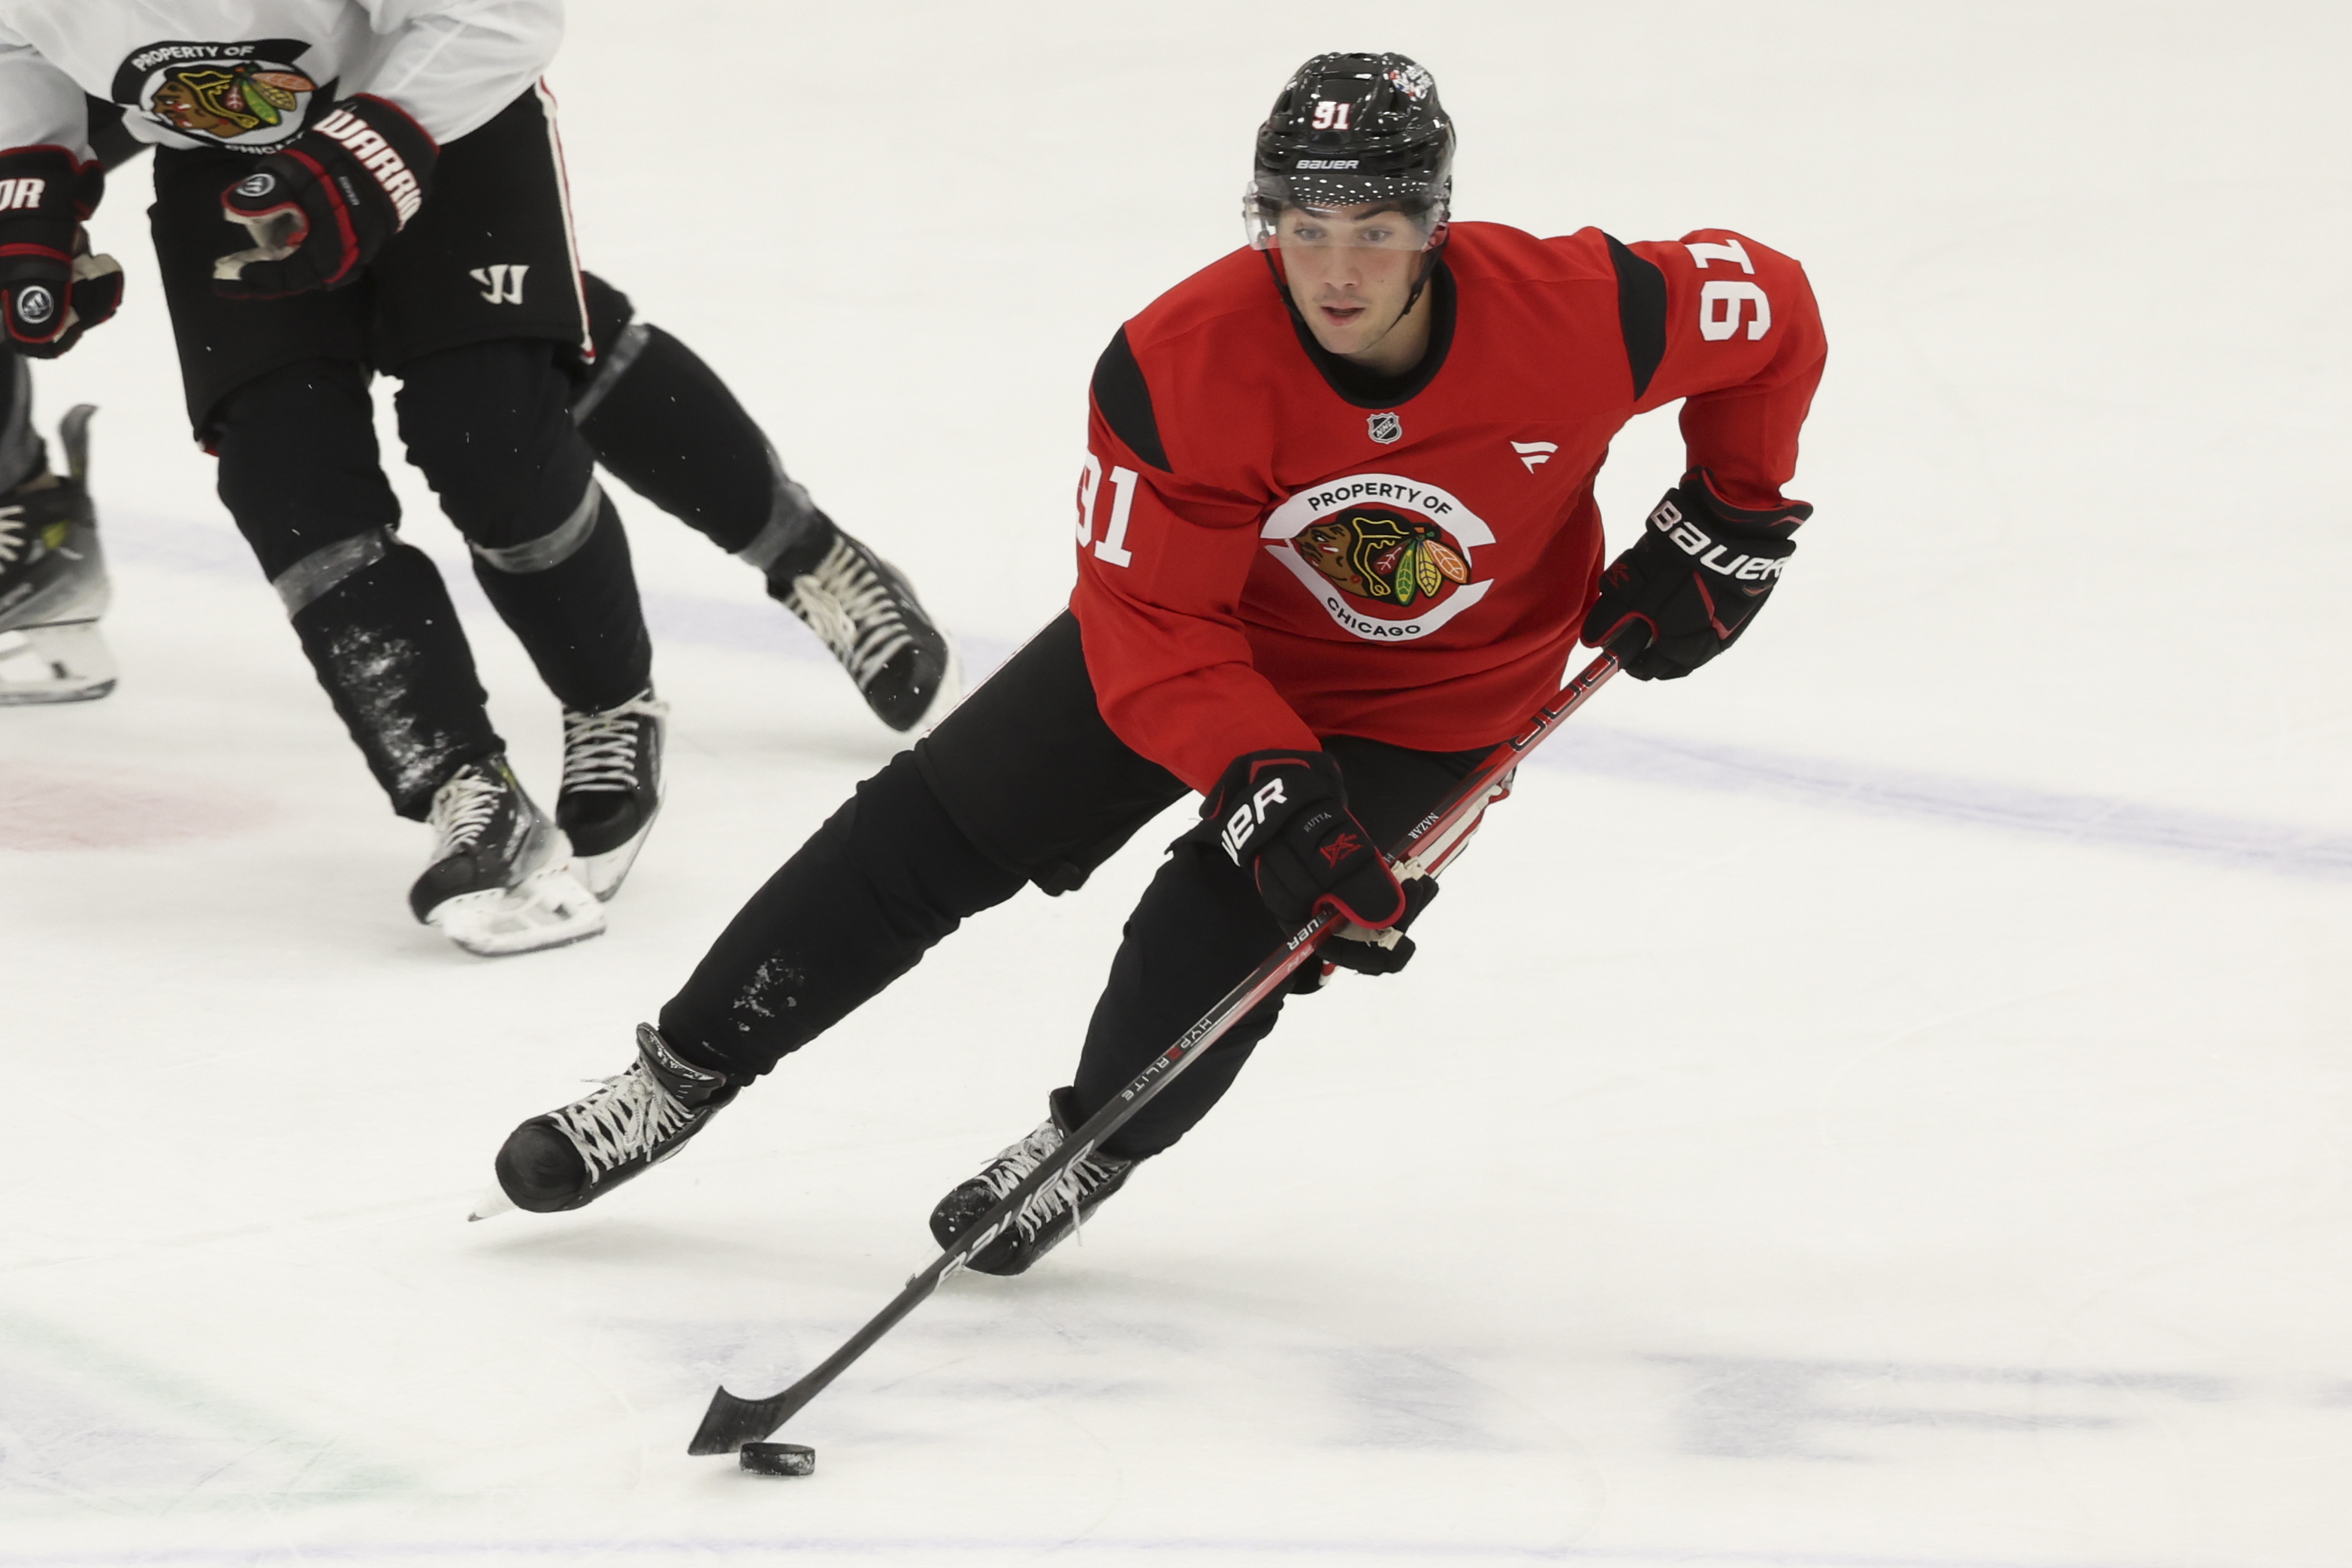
(53, 585)
(503, 879)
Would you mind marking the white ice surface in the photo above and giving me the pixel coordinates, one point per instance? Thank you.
(1881, 1103)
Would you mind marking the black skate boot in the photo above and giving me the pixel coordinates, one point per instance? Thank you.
(501, 878)
(634, 1120)
(612, 786)
(53, 584)
(867, 612)
(1052, 1213)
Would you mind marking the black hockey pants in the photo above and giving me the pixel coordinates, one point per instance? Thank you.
(1023, 783)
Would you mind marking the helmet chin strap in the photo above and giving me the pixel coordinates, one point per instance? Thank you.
(1421, 280)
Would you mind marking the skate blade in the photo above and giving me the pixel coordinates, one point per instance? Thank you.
(489, 1205)
(54, 664)
(603, 874)
(549, 908)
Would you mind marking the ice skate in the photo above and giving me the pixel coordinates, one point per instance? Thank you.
(53, 586)
(612, 786)
(501, 879)
(1051, 1213)
(867, 612)
(633, 1120)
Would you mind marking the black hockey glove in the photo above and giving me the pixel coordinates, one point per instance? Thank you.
(1283, 816)
(52, 290)
(319, 208)
(1690, 585)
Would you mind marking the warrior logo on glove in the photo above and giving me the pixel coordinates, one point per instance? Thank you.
(321, 210)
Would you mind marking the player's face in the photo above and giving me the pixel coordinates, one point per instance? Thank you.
(1351, 270)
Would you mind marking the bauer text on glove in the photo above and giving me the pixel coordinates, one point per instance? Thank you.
(1693, 581)
(1283, 816)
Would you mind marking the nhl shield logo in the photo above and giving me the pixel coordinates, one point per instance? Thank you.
(1387, 429)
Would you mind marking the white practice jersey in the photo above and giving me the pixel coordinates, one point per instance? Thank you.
(251, 74)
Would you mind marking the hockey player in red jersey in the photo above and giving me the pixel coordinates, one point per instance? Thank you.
(1337, 538)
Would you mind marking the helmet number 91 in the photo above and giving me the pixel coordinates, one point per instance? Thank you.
(1331, 114)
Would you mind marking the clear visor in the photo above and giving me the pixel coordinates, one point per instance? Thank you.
(1365, 225)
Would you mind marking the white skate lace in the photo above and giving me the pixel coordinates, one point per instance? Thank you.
(849, 605)
(463, 807)
(600, 750)
(1009, 1169)
(628, 1117)
(12, 534)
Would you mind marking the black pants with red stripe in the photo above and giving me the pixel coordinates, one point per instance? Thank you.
(1023, 783)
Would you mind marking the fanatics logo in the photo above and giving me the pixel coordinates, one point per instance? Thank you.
(1534, 454)
(1388, 429)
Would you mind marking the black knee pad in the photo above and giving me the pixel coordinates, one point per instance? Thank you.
(299, 464)
(490, 425)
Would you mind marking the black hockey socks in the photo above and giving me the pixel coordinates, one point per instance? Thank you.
(571, 599)
(664, 423)
(860, 904)
(385, 642)
(298, 471)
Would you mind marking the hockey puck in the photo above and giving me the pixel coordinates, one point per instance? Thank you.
(777, 1459)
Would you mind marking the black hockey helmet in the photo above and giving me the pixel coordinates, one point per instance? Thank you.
(1350, 128)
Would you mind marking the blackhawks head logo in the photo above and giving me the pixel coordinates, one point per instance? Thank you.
(1388, 558)
(1381, 555)
(224, 103)
(243, 95)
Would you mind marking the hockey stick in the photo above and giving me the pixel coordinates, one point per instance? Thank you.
(733, 1421)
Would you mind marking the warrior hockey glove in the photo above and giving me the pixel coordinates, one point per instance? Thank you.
(320, 209)
(52, 290)
(1690, 585)
(1283, 816)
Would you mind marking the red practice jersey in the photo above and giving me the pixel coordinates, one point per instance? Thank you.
(1272, 549)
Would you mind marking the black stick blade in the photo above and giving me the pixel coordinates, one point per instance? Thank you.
(730, 1422)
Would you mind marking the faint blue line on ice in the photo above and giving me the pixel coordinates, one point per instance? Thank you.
(2276, 847)
(1093, 1546)
(758, 625)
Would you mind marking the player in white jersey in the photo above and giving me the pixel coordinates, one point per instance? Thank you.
(654, 413)
(347, 187)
